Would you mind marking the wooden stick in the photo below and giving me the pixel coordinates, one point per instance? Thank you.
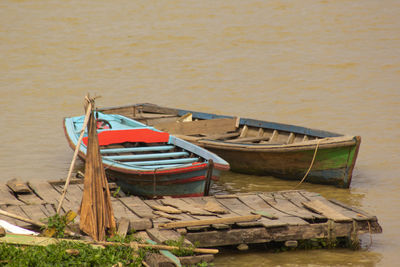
(6, 213)
(229, 220)
(165, 247)
(37, 223)
(197, 250)
(85, 122)
(44, 241)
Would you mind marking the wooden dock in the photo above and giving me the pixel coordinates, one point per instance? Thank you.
(212, 221)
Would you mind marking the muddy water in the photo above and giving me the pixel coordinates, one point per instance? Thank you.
(332, 65)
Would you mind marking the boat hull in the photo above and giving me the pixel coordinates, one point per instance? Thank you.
(186, 184)
(271, 149)
(179, 180)
(333, 163)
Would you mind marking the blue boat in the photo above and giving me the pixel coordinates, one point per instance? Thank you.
(147, 162)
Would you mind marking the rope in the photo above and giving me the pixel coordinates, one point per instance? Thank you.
(311, 165)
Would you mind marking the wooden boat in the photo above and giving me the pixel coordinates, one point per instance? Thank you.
(147, 162)
(258, 147)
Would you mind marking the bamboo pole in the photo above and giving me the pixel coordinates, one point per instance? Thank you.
(165, 247)
(85, 122)
(8, 214)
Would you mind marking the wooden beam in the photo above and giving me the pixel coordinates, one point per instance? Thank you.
(230, 220)
(213, 126)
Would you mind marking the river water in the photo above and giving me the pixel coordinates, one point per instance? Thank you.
(331, 65)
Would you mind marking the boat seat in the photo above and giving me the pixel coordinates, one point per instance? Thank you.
(164, 161)
(130, 135)
(135, 149)
(148, 156)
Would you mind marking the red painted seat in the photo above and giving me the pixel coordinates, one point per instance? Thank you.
(130, 135)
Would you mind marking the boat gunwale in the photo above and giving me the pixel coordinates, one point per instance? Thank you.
(243, 121)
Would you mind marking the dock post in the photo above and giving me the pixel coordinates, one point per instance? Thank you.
(208, 177)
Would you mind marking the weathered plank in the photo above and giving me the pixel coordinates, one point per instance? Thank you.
(123, 226)
(137, 206)
(258, 206)
(213, 126)
(34, 212)
(339, 208)
(295, 197)
(45, 191)
(183, 206)
(210, 205)
(230, 237)
(279, 202)
(230, 220)
(168, 209)
(329, 212)
(17, 211)
(18, 186)
(135, 222)
(30, 199)
(7, 197)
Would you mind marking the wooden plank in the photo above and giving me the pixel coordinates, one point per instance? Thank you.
(148, 156)
(222, 136)
(279, 202)
(180, 216)
(210, 204)
(135, 222)
(183, 206)
(30, 199)
(123, 226)
(34, 212)
(212, 126)
(74, 194)
(48, 209)
(230, 237)
(166, 215)
(360, 213)
(136, 149)
(329, 212)
(6, 218)
(297, 199)
(346, 212)
(45, 191)
(73, 197)
(257, 205)
(249, 139)
(18, 186)
(7, 197)
(230, 220)
(137, 206)
(168, 209)
(17, 211)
